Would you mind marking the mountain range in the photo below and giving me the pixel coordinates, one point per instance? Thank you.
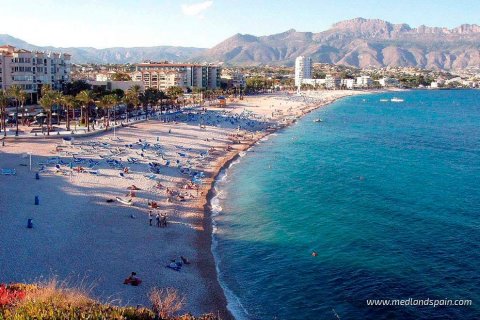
(357, 42)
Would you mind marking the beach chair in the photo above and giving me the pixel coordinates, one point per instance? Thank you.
(8, 172)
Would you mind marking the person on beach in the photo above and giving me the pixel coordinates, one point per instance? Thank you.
(157, 217)
(150, 217)
(164, 220)
(132, 279)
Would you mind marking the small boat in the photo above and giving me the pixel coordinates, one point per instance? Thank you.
(396, 100)
(318, 120)
(128, 202)
(384, 100)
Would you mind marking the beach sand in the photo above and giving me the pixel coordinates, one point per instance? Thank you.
(80, 237)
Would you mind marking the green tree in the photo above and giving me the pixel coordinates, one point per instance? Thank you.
(107, 102)
(22, 97)
(75, 87)
(86, 97)
(47, 101)
(70, 103)
(15, 92)
(121, 76)
(3, 109)
(175, 93)
(133, 95)
(58, 96)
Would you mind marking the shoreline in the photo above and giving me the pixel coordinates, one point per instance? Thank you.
(226, 163)
(104, 253)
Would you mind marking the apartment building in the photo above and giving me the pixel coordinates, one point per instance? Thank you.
(364, 81)
(389, 82)
(303, 69)
(332, 82)
(30, 70)
(162, 76)
(233, 79)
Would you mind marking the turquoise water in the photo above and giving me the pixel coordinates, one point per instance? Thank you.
(387, 194)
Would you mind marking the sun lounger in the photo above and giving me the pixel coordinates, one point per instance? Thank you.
(177, 268)
(8, 172)
(128, 202)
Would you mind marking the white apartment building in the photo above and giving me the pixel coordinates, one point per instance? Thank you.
(30, 70)
(332, 82)
(234, 79)
(165, 75)
(364, 81)
(389, 82)
(303, 69)
(314, 82)
(348, 83)
(111, 85)
(104, 76)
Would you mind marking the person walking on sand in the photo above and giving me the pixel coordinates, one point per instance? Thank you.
(164, 220)
(150, 217)
(157, 217)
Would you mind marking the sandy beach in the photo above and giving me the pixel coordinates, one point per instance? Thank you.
(82, 233)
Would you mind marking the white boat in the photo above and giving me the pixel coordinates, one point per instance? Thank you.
(396, 100)
(384, 100)
(318, 120)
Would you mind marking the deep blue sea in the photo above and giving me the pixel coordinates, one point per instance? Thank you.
(387, 194)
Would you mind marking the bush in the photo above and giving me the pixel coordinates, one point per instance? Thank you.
(53, 300)
(166, 302)
(10, 295)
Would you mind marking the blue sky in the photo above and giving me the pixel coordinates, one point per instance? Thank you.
(204, 23)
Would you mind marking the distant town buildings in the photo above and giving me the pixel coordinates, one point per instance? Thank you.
(105, 76)
(348, 83)
(364, 81)
(233, 79)
(389, 82)
(32, 69)
(332, 82)
(111, 85)
(162, 76)
(303, 69)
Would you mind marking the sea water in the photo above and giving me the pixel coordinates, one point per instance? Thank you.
(387, 194)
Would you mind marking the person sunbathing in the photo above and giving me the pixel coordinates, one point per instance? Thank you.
(132, 279)
(152, 204)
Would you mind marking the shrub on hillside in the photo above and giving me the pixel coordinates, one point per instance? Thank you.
(53, 301)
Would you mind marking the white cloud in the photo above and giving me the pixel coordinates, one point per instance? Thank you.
(196, 9)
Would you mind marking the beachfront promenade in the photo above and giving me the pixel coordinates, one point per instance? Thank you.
(95, 195)
(76, 130)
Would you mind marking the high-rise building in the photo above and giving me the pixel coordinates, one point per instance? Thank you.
(303, 69)
(162, 76)
(30, 70)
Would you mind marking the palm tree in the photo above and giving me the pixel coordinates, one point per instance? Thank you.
(117, 99)
(3, 109)
(47, 101)
(15, 92)
(134, 94)
(58, 97)
(107, 102)
(86, 97)
(161, 96)
(174, 93)
(69, 102)
(132, 97)
(22, 97)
